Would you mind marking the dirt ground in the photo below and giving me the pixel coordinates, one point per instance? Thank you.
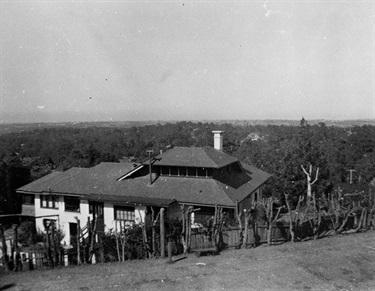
(345, 262)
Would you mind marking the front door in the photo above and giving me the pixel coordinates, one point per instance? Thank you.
(73, 232)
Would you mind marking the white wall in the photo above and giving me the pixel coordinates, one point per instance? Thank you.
(63, 217)
(109, 216)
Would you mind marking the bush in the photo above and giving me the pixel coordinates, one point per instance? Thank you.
(27, 234)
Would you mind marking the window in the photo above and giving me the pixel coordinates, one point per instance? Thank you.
(174, 171)
(165, 171)
(201, 172)
(124, 213)
(48, 201)
(49, 223)
(192, 172)
(181, 171)
(28, 199)
(72, 203)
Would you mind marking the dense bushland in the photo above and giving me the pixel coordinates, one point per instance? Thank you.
(280, 150)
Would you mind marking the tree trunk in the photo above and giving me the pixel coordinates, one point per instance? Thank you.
(4, 248)
(17, 261)
(341, 228)
(363, 213)
(309, 183)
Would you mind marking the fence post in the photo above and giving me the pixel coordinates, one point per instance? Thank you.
(16, 258)
(54, 245)
(169, 251)
(162, 234)
(66, 259)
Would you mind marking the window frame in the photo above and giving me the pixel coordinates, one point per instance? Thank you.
(127, 213)
(72, 207)
(49, 199)
(28, 199)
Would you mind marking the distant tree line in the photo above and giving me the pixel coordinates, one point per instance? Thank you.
(278, 149)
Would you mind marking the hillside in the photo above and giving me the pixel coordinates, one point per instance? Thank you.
(335, 263)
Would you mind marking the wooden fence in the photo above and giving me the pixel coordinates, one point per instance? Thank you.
(231, 237)
(35, 260)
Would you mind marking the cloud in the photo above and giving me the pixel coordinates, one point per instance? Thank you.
(40, 107)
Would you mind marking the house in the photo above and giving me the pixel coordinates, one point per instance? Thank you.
(203, 177)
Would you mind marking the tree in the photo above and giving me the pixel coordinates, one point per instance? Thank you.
(12, 176)
(309, 183)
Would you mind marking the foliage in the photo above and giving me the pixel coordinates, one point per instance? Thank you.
(27, 234)
(277, 149)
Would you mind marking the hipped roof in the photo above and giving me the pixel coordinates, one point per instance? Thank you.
(101, 183)
(205, 157)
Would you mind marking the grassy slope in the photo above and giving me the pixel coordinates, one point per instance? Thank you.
(334, 263)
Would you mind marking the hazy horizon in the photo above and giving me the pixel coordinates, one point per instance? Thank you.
(148, 61)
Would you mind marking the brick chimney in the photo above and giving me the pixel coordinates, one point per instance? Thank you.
(218, 140)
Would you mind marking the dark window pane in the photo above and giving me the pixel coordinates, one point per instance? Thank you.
(28, 199)
(182, 171)
(174, 171)
(192, 172)
(71, 203)
(202, 172)
(165, 171)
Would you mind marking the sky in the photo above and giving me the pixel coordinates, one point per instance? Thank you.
(186, 60)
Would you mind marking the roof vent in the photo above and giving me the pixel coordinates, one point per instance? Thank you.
(218, 140)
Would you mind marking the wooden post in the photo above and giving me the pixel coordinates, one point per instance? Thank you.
(169, 251)
(78, 241)
(270, 215)
(123, 239)
(162, 233)
(117, 237)
(54, 245)
(153, 231)
(4, 247)
(92, 258)
(101, 247)
(183, 232)
(17, 260)
(247, 217)
(48, 243)
(188, 227)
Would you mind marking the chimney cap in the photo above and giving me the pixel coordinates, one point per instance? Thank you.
(217, 131)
